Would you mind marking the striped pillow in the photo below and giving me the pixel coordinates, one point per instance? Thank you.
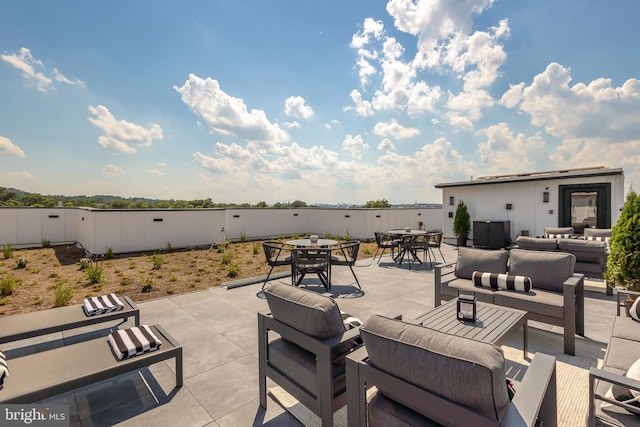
(103, 304)
(606, 240)
(509, 282)
(4, 368)
(130, 342)
(558, 236)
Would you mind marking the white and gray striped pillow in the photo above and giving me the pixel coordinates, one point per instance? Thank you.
(557, 236)
(4, 368)
(509, 282)
(130, 342)
(103, 304)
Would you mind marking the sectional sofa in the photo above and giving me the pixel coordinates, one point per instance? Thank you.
(556, 296)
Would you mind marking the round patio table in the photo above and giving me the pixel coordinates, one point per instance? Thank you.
(303, 243)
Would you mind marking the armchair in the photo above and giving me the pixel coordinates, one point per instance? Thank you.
(424, 377)
(305, 353)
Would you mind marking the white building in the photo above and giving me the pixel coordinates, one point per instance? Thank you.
(588, 197)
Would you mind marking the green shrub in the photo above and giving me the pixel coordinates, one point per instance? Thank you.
(327, 235)
(148, 286)
(243, 237)
(21, 263)
(256, 248)
(226, 257)
(233, 270)
(4, 301)
(94, 273)
(8, 285)
(109, 254)
(367, 251)
(63, 295)
(623, 265)
(125, 281)
(157, 261)
(46, 243)
(7, 251)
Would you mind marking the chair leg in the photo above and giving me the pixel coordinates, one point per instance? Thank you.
(267, 279)
(355, 277)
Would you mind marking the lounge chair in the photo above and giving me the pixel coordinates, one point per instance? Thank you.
(41, 375)
(28, 325)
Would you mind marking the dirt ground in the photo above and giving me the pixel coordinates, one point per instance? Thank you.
(134, 275)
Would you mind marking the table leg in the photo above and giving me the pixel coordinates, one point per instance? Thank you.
(525, 339)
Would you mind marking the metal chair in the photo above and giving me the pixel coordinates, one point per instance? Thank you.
(315, 260)
(272, 252)
(384, 241)
(435, 240)
(347, 255)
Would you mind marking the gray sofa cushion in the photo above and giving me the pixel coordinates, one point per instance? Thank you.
(590, 251)
(450, 290)
(309, 312)
(547, 270)
(597, 232)
(384, 412)
(536, 244)
(470, 260)
(622, 353)
(537, 301)
(440, 363)
(555, 232)
(625, 327)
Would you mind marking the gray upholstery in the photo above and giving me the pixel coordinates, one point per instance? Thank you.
(589, 251)
(547, 270)
(536, 244)
(627, 328)
(558, 230)
(471, 259)
(441, 363)
(450, 290)
(307, 311)
(384, 412)
(597, 232)
(538, 301)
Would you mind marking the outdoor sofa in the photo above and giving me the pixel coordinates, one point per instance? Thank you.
(37, 376)
(556, 296)
(424, 377)
(621, 368)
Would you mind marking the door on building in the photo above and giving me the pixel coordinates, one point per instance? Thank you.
(585, 206)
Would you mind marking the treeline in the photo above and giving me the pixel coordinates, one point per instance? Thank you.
(14, 197)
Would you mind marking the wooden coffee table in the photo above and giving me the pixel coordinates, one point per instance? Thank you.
(494, 324)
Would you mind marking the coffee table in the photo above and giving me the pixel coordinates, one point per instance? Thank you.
(494, 324)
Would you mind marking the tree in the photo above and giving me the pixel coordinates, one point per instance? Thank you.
(378, 204)
(462, 221)
(623, 265)
(262, 205)
(298, 204)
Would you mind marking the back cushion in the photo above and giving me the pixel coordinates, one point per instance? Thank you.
(536, 244)
(585, 250)
(556, 232)
(441, 363)
(597, 232)
(470, 260)
(547, 270)
(311, 313)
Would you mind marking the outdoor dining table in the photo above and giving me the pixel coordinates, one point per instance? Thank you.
(308, 246)
(305, 243)
(406, 248)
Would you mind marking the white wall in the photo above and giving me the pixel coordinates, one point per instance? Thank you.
(529, 212)
(153, 229)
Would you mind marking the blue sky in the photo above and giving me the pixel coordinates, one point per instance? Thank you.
(325, 102)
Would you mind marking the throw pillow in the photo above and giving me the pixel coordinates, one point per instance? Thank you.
(502, 281)
(634, 311)
(4, 369)
(624, 394)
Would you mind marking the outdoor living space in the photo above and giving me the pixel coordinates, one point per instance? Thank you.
(218, 330)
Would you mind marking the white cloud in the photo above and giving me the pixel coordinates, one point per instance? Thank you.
(503, 152)
(23, 175)
(228, 115)
(466, 108)
(155, 172)
(354, 145)
(34, 69)
(121, 134)
(295, 106)
(292, 125)
(362, 108)
(113, 170)
(386, 145)
(395, 130)
(7, 148)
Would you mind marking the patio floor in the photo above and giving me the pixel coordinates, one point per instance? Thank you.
(218, 331)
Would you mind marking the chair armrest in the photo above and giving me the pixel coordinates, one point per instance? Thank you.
(536, 395)
(612, 378)
(438, 275)
(623, 293)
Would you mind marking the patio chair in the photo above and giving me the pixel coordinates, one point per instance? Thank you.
(275, 258)
(425, 377)
(347, 255)
(315, 261)
(305, 353)
(385, 241)
(435, 240)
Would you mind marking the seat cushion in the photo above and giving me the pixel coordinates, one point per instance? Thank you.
(450, 290)
(471, 259)
(537, 301)
(384, 412)
(439, 363)
(307, 311)
(622, 353)
(625, 327)
(547, 270)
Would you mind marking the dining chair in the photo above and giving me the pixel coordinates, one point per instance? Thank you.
(275, 258)
(385, 241)
(311, 260)
(435, 240)
(347, 255)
